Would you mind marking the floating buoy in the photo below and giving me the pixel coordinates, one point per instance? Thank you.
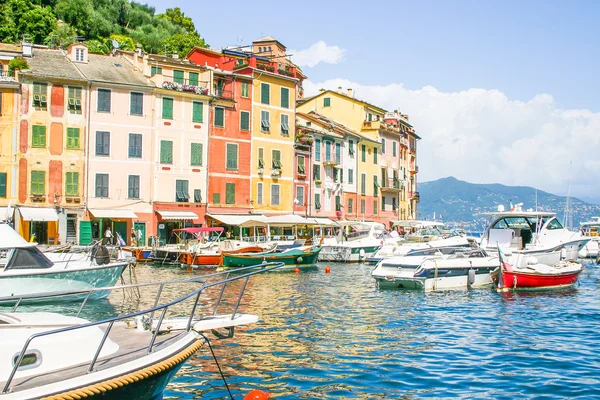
(257, 394)
(327, 269)
(297, 270)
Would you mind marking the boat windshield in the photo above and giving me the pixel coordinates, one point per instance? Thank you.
(27, 258)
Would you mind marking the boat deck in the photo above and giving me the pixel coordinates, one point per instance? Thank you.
(133, 344)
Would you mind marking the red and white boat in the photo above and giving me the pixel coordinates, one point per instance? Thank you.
(531, 275)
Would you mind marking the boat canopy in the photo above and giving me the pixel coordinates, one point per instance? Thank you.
(195, 231)
(10, 239)
(27, 258)
(291, 219)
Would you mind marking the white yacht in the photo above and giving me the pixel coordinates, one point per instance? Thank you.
(590, 229)
(354, 242)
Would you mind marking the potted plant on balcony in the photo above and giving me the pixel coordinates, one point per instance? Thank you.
(317, 181)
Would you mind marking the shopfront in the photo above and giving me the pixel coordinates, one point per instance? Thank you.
(120, 223)
(37, 224)
(168, 220)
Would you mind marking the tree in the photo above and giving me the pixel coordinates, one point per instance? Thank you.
(62, 36)
(97, 47)
(37, 22)
(182, 43)
(19, 17)
(178, 18)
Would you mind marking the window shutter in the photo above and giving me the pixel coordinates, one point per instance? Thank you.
(326, 102)
(3, 176)
(275, 195)
(394, 151)
(197, 111)
(363, 184)
(318, 150)
(166, 152)
(338, 152)
(216, 198)
(72, 138)
(276, 155)
(245, 121)
(318, 201)
(245, 91)
(264, 93)
(178, 76)
(167, 112)
(193, 80)
(261, 157)
(317, 172)
(196, 156)
(350, 205)
(232, 156)
(259, 193)
(38, 135)
(219, 117)
(382, 145)
(364, 153)
(285, 97)
(229, 193)
(375, 155)
(375, 185)
(197, 196)
(38, 182)
(350, 175)
(72, 183)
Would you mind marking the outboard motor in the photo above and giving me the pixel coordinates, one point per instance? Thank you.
(100, 254)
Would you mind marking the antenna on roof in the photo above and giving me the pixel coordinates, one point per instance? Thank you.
(115, 45)
(240, 40)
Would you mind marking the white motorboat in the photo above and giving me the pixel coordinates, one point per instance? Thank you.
(126, 356)
(591, 229)
(354, 242)
(26, 270)
(455, 268)
(531, 233)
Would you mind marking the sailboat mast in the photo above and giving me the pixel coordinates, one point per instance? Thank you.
(568, 202)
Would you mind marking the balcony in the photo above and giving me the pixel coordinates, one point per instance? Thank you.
(7, 76)
(375, 125)
(277, 68)
(336, 160)
(201, 88)
(414, 196)
(391, 186)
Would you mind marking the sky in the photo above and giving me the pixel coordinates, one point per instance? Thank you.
(500, 91)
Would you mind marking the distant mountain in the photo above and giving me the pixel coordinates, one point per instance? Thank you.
(462, 202)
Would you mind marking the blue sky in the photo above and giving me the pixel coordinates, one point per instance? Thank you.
(500, 91)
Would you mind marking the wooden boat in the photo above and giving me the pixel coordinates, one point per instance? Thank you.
(127, 356)
(141, 254)
(531, 275)
(305, 256)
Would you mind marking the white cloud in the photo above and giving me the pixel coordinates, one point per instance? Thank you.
(482, 136)
(318, 53)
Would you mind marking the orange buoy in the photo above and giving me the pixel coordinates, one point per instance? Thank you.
(327, 269)
(257, 394)
(297, 270)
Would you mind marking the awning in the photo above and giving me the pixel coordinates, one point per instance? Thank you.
(114, 214)
(320, 221)
(238, 220)
(38, 214)
(174, 215)
(291, 219)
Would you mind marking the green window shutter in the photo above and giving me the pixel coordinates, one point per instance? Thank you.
(245, 90)
(264, 93)
(375, 155)
(178, 76)
(72, 184)
(394, 149)
(276, 155)
(374, 206)
(285, 97)
(338, 152)
(197, 111)
(327, 102)
(3, 176)
(364, 153)
(136, 103)
(103, 100)
(318, 201)
(317, 172)
(155, 70)
(350, 146)
(167, 109)
(244, 121)
(219, 116)
(265, 123)
(193, 80)
(363, 206)
(166, 152)
(216, 198)
(232, 156)
(229, 193)
(318, 150)
(38, 182)
(72, 138)
(38, 135)
(196, 156)
(261, 157)
(350, 205)
(363, 184)
(375, 185)
(350, 175)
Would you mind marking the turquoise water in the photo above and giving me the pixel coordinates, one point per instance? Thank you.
(339, 336)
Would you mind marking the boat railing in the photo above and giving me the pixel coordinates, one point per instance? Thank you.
(242, 274)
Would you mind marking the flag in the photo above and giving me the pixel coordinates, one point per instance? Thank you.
(503, 264)
(512, 208)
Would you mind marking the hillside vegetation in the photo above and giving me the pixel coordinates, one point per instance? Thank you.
(58, 23)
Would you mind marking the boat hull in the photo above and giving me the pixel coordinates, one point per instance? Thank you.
(458, 281)
(531, 281)
(200, 259)
(347, 254)
(292, 258)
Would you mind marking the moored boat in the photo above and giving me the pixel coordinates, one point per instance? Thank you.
(300, 257)
(355, 242)
(591, 229)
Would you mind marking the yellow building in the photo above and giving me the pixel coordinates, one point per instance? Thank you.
(9, 94)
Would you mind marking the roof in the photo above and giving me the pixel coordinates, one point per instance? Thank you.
(152, 58)
(111, 69)
(336, 126)
(10, 47)
(302, 101)
(52, 64)
(268, 39)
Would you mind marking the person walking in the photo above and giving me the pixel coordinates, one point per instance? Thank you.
(108, 236)
(133, 237)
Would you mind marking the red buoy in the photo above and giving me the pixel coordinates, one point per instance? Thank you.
(327, 269)
(297, 270)
(257, 394)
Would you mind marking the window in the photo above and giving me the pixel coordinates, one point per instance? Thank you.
(259, 193)
(79, 53)
(229, 193)
(38, 136)
(274, 195)
(370, 117)
(363, 184)
(383, 203)
(301, 165)
(245, 90)
(285, 97)
(338, 203)
(338, 152)
(351, 147)
(193, 79)
(317, 201)
(219, 87)
(166, 152)
(375, 186)
(197, 111)
(74, 98)
(182, 193)
(264, 93)
(394, 151)
(72, 184)
(363, 151)
(261, 157)
(350, 175)
(155, 70)
(103, 100)
(178, 76)
(244, 121)
(382, 145)
(102, 143)
(318, 150)
(216, 198)
(317, 172)
(167, 108)
(219, 117)
(374, 206)
(394, 203)
(38, 182)
(375, 155)
(285, 127)
(40, 91)
(232, 156)
(101, 185)
(3, 176)
(300, 195)
(363, 206)
(265, 125)
(0, 98)
(136, 103)
(327, 151)
(276, 156)
(327, 102)
(350, 205)
(196, 154)
(133, 188)
(197, 196)
(135, 145)
(72, 138)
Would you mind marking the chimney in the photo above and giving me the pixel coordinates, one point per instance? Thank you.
(350, 92)
(175, 55)
(321, 90)
(138, 50)
(339, 89)
(27, 49)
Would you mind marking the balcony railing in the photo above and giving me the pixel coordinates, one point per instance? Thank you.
(224, 94)
(7, 76)
(371, 124)
(201, 88)
(391, 185)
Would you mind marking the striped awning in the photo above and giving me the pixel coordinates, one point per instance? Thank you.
(176, 215)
